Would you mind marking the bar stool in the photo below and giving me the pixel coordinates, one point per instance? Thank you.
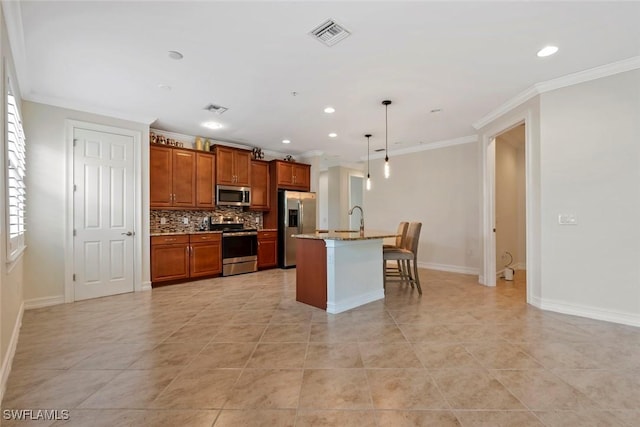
(401, 236)
(405, 256)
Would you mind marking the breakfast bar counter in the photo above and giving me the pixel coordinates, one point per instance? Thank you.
(338, 271)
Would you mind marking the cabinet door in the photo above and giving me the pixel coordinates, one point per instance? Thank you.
(160, 177)
(184, 178)
(242, 165)
(267, 249)
(285, 174)
(302, 176)
(224, 166)
(206, 259)
(259, 185)
(205, 178)
(169, 262)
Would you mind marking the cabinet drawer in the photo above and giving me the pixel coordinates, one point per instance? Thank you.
(265, 235)
(169, 240)
(207, 237)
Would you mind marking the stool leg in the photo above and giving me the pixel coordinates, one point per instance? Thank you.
(415, 269)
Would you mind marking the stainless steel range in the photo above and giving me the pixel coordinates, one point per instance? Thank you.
(239, 248)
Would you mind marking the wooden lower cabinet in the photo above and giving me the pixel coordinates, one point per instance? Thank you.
(169, 258)
(185, 256)
(206, 255)
(267, 249)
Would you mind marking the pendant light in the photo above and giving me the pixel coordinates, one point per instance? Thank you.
(387, 171)
(368, 176)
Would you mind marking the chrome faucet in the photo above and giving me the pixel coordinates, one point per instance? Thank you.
(361, 218)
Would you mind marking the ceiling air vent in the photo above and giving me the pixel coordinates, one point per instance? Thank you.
(217, 109)
(329, 32)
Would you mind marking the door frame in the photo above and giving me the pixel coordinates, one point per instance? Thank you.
(69, 261)
(532, 206)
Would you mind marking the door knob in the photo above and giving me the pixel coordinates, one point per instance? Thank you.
(128, 233)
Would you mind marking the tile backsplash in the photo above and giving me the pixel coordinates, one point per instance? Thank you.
(174, 220)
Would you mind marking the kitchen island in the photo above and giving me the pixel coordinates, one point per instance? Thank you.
(338, 271)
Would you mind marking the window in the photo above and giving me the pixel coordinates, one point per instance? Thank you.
(15, 178)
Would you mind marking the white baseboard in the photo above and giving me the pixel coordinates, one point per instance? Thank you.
(43, 302)
(350, 303)
(11, 351)
(596, 313)
(449, 268)
(146, 286)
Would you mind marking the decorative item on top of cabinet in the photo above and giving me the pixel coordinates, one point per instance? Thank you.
(267, 249)
(172, 177)
(260, 197)
(292, 175)
(257, 153)
(233, 166)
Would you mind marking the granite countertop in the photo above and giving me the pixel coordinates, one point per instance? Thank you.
(345, 235)
(183, 233)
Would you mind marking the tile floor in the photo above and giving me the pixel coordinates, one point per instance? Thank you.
(240, 351)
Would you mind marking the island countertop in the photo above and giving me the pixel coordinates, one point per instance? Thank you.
(346, 235)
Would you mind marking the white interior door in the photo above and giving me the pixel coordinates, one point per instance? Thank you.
(103, 214)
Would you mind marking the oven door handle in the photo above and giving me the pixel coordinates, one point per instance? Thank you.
(241, 233)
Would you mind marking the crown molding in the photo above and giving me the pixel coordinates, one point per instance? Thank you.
(13, 21)
(584, 76)
(77, 106)
(607, 70)
(313, 153)
(426, 147)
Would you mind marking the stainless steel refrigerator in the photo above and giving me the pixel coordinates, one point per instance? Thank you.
(296, 215)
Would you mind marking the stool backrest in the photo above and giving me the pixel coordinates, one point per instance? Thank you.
(413, 237)
(401, 234)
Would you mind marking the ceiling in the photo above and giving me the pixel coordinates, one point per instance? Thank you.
(464, 58)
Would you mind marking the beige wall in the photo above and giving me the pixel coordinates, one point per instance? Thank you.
(45, 127)
(590, 145)
(11, 275)
(438, 188)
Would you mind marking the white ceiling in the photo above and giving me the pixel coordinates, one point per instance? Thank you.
(466, 58)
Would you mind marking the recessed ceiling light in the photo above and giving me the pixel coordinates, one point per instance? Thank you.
(329, 110)
(333, 135)
(286, 141)
(174, 54)
(212, 125)
(547, 51)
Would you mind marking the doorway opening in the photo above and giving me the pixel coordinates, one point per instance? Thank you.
(510, 209)
(356, 197)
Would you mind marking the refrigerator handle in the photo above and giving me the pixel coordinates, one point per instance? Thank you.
(301, 219)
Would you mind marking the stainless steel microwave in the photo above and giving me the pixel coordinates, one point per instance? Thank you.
(227, 195)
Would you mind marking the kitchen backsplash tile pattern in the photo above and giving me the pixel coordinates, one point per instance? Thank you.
(174, 220)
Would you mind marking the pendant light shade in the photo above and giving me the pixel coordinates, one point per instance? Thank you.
(387, 170)
(368, 175)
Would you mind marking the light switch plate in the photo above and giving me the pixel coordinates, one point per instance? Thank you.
(185, 220)
(567, 219)
(163, 221)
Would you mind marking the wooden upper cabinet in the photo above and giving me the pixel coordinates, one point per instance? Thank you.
(184, 178)
(260, 185)
(233, 166)
(172, 175)
(205, 180)
(294, 176)
(160, 177)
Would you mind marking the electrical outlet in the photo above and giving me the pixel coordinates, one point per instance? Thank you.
(185, 220)
(567, 219)
(163, 221)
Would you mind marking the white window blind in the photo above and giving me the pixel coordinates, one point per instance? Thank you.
(16, 191)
